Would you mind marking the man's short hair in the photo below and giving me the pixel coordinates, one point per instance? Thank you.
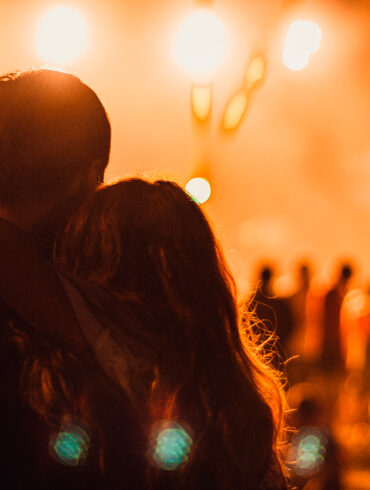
(52, 128)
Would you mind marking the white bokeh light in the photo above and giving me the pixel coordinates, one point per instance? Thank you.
(61, 35)
(302, 40)
(200, 44)
(199, 189)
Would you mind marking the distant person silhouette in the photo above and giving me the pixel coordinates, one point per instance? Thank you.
(298, 304)
(332, 354)
(273, 311)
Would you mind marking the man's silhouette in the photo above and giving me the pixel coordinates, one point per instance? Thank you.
(54, 147)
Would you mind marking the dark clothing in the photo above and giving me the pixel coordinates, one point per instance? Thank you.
(332, 348)
(30, 285)
(15, 441)
(24, 442)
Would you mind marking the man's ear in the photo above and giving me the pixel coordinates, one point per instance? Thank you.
(95, 174)
(88, 180)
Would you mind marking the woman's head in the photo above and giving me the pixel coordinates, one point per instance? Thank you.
(149, 240)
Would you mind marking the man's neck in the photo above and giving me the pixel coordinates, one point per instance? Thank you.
(25, 216)
(45, 231)
(42, 221)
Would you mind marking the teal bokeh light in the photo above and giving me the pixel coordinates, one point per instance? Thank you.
(171, 446)
(307, 451)
(310, 452)
(70, 445)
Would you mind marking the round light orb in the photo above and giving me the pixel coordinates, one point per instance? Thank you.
(70, 446)
(302, 40)
(355, 303)
(199, 189)
(200, 44)
(308, 448)
(61, 35)
(173, 445)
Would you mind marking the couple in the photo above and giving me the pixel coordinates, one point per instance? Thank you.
(122, 361)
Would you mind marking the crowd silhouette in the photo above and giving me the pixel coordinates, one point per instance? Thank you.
(323, 350)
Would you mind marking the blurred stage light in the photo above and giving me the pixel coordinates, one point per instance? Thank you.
(238, 104)
(61, 35)
(199, 189)
(355, 303)
(201, 101)
(235, 110)
(256, 71)
(200, 44)
(302, 40)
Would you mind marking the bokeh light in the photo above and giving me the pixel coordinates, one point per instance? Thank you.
(302, 40)
(199, 189)
(201, 101)
(61, 35)
(238, 104)
(355, 303)
(307, 451)
(170, 446)
(200, 44)
(256, 71)
(70, 446)
(235, 110)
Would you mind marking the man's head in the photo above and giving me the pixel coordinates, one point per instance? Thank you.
(54, 138)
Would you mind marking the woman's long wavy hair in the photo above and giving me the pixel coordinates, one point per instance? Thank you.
(151, 242)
